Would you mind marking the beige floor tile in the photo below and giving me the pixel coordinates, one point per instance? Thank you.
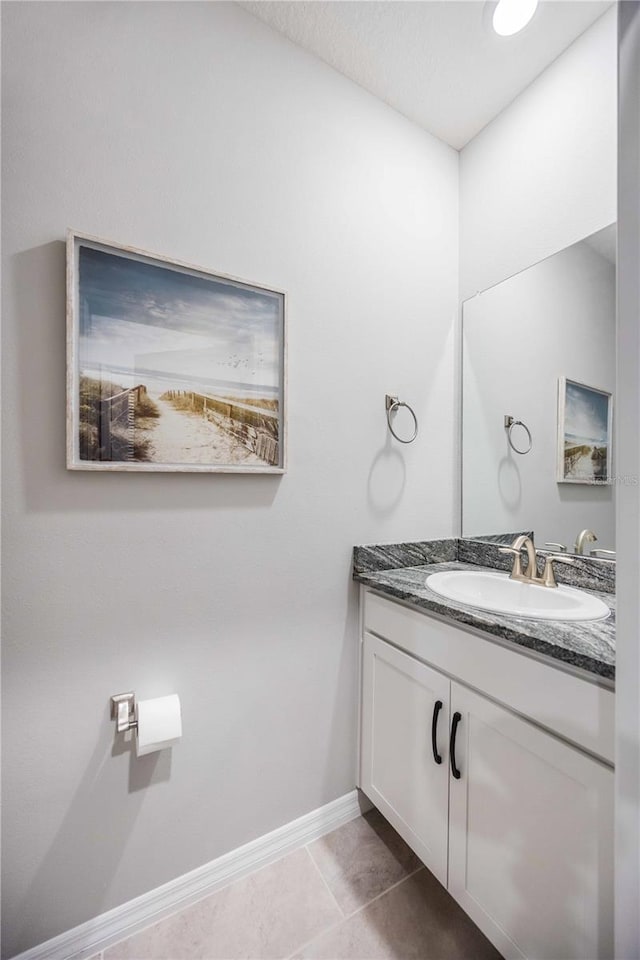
(362, 859)
(268, 914)
(417, 920)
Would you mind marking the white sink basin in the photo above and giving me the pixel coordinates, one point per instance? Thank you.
(498, 593)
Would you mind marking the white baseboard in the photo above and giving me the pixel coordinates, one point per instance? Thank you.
(103, 931)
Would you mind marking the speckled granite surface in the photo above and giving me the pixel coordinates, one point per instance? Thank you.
(588, 645)
(387, 556)
(588, 573)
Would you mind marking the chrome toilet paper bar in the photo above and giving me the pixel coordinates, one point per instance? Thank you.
(123, 711)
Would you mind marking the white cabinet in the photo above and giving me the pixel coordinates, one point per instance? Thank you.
(401, 700)
(523, 837)
(530, 836)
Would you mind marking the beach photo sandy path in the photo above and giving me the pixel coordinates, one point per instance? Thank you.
(183, 437)
(583, 468)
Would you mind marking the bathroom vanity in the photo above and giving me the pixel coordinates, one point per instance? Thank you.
(487, 742)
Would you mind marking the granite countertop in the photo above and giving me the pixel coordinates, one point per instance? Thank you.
(586, 645)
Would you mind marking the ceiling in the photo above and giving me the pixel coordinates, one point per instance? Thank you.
(438, 62)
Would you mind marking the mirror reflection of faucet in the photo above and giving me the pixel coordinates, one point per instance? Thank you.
(585, 536)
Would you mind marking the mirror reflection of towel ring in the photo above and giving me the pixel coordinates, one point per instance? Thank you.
(509, 424)
(391, 405)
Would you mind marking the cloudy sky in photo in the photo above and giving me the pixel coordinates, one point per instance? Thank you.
(141, 319)
(586, 414)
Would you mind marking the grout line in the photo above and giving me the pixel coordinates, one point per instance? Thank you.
(388, 890)
(339, 923)
(322, 876)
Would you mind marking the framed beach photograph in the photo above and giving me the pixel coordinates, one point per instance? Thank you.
(584, 433)
(171, 367)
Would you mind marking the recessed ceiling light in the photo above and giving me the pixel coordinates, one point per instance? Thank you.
(511, 16)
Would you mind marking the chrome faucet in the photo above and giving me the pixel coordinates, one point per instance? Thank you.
(585, 536)
(531, 574)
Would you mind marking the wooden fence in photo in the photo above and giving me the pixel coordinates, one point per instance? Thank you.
(256, 428)
(116, 420)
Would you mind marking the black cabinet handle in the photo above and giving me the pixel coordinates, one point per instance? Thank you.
(457, 717)
(437, 707)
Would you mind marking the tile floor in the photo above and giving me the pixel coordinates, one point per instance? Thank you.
(358, 893)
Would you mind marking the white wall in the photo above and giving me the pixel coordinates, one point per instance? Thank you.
(542, 175)
(192, 130)
(627, 892)
(556, 319)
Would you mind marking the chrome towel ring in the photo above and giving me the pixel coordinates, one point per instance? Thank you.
(509, 424)
(392, 404)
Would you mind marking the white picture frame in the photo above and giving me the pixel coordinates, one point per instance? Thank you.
(171, 367)
(585, 419)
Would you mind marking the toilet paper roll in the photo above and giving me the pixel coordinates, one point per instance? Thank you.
(159, 724)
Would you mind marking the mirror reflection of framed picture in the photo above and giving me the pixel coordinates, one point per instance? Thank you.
(171, 367)
(584, 433)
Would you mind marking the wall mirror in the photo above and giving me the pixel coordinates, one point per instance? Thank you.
(525, 341)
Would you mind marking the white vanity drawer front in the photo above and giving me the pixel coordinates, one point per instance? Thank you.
(578, 710)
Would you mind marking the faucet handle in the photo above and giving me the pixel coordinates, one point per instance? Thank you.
(516, 570)
(557, 546)
(548, 575)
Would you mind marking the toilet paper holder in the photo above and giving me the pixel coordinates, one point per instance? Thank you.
(157, 723)
(123, 711)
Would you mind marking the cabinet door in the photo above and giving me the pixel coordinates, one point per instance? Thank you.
(530, 836)
(398, 770)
